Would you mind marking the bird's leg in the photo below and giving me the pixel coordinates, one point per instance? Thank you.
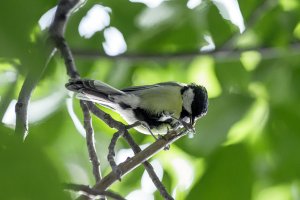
(144, 124)
(167, 147)
(187, 126)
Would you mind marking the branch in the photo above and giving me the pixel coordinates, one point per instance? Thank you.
(28, 86)
(139, 158)
(90, 141)
(122, 130)
(90, 192)
(105, 117)
(111, 154)
(136, 149)
(224, 54)
(56, 31)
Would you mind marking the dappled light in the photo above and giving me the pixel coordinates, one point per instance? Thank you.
(149, 3)
(57, 144)
(202, 71)
(289, 5)
(139, 194)
(96, 19)
(8, 77)
(123, 154)
(153, 17)
(250, 59)
(230, 10)
(185, 173)
(297, 31)
(76, 121)
(114, 42)
(191, 4)
(47, 18)
(147, 185)
(48, 104)
(210, 44)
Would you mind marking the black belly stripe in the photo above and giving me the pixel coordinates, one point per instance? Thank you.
(151, 120)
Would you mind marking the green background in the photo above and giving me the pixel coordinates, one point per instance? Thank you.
(247, 147)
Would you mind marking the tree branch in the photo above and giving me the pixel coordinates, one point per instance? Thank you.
(90, 192)
(111, 154)
(225, 51)
(90, 141)
(28, 86)
(224, 54)
(136, 149)
(56, 32)
(57, 35)
(139, 158)
(122, 130)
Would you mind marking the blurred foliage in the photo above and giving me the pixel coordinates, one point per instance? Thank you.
(245, 148)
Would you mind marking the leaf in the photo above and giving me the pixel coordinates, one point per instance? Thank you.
(26, 172)
(284, 139)
(228, 176)
(212, 130)
(20, 19)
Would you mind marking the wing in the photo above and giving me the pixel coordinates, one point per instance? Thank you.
(163, 97)
(145, 87)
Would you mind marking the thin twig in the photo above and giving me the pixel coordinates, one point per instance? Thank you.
(56, 31)
(92, 193)
(28, 86)
(122, 130)
(105, 117)
(131, 163)
(224, 54)
(136, 149)
(90, 141)
(221, 52)
(111, 153)
(139, 158)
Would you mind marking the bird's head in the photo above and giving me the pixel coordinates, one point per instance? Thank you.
(195, 101)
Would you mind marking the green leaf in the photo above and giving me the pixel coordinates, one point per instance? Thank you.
(228, 176)
(26, 172)
(212, 130)
(284, 139)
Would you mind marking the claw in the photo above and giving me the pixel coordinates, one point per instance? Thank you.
(167, 147)
(145, 125)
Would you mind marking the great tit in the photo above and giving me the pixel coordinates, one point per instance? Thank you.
(160, 107)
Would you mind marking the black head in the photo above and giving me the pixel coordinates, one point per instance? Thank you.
(195, 101)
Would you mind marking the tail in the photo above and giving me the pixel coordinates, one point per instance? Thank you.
(91, 90)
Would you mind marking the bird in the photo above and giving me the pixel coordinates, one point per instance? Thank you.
(159, 107)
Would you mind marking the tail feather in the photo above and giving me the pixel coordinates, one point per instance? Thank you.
(93, 90)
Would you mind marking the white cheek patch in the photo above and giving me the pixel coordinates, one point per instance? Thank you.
(188, 97)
